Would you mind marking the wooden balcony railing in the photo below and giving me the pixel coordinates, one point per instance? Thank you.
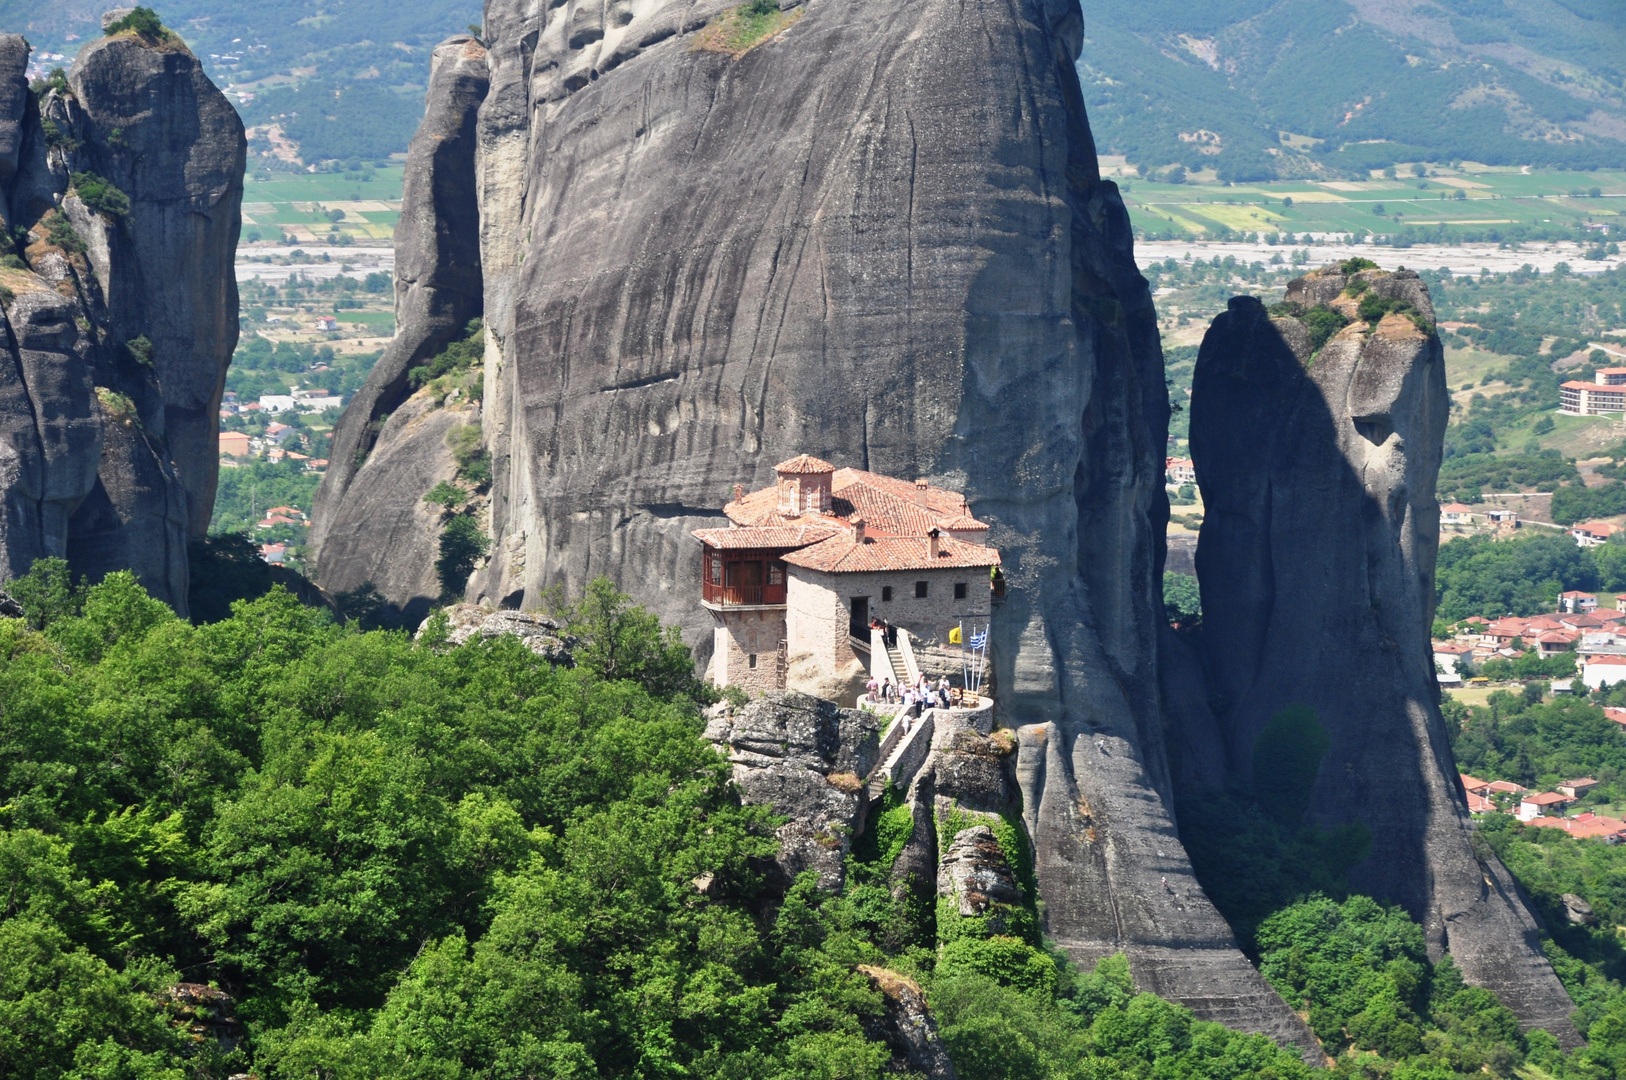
(742, 595)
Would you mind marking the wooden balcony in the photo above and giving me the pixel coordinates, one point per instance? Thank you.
(742, 595)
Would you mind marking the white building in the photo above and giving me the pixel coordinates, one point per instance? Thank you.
(1600, 671)
(277, 403)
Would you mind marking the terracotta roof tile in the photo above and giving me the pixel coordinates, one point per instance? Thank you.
(1548, 798)
(840, 555)
(804, 464)
(771, 536)
(1470, 783)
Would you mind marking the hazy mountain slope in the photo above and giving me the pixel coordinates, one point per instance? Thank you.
(373, 53)
(1379, 81)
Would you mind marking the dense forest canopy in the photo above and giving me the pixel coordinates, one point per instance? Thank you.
(406, 859)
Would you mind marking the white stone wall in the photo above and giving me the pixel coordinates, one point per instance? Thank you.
(818, 610)
(739, 634)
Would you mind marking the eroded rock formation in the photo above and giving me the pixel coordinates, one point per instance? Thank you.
(804, 757)
(384, 535)
(122, 318)
(1316, 562)
(879, 236)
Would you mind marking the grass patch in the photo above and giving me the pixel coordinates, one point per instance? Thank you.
(739, 30)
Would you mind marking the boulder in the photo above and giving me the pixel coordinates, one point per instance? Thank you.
(1578, 911)
(1316, 563)
(907, 1026)
(543, 636)
(806, 758)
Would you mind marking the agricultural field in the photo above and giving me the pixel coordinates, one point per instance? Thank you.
(360, 207)
(1466, 204)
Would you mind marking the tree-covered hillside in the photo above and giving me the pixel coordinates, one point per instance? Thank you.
(344, 78)
(277, 846)
(1262, 88)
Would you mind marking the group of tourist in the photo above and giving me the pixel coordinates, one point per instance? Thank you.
(889, 633)
(915, 697)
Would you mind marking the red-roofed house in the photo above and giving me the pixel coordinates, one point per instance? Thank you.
(1617, 715)
(1553, 642)
(1506, 787)
(1474, 786)
(1448, 654)
(1478, 804)
(1534, 806)
(1456, 514)
(1599, 671)
(805, 565)
(1594, 533)
(1577, 787)
(1576, 602)
(1588, 826)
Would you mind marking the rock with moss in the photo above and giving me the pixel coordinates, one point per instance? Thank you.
(803, 756)
(1316, 564)
(126, 219)
(907, 1026)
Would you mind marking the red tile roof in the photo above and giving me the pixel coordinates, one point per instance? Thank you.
(1557, 637)
(1617, 715)
(770, 536)
(1470, 783)
(1611, 660)
(1478, 804)
(804, 464)
(1586, 826)
(1456, 508)
(1507, 786)
(1581, 595)
(1455, 649)
(840, 555)
(889, 507)
(1548, 798)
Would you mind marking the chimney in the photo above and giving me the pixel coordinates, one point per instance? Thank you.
(858, 530)
(739, 492)
(934, 546)
(920, 491)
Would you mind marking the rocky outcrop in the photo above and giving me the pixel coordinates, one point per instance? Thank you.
(1316, 562)
(975, 874)
(384, 534)
(804, 757)
(127, 184)
(879, 236)
(438, 290)
(906, 1025)
(542, 636)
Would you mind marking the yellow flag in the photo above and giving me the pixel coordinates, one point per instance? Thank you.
(954, 636)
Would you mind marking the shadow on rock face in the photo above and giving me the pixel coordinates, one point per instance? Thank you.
(1317, 453)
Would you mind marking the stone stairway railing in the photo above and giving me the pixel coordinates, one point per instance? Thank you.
(907, 753)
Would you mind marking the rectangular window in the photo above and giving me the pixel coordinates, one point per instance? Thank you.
(776, 573)
(886, 594)
(751, 661)
(959, 590)
(920, 590)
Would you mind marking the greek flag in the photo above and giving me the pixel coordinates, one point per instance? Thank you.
(979, 640)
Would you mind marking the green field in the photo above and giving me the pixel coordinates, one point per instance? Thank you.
(1492, 200)
(299, 206)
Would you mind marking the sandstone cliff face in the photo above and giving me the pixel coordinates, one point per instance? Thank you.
(438, 289)
(880, 237)
(108, 453)
(1316, 562)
